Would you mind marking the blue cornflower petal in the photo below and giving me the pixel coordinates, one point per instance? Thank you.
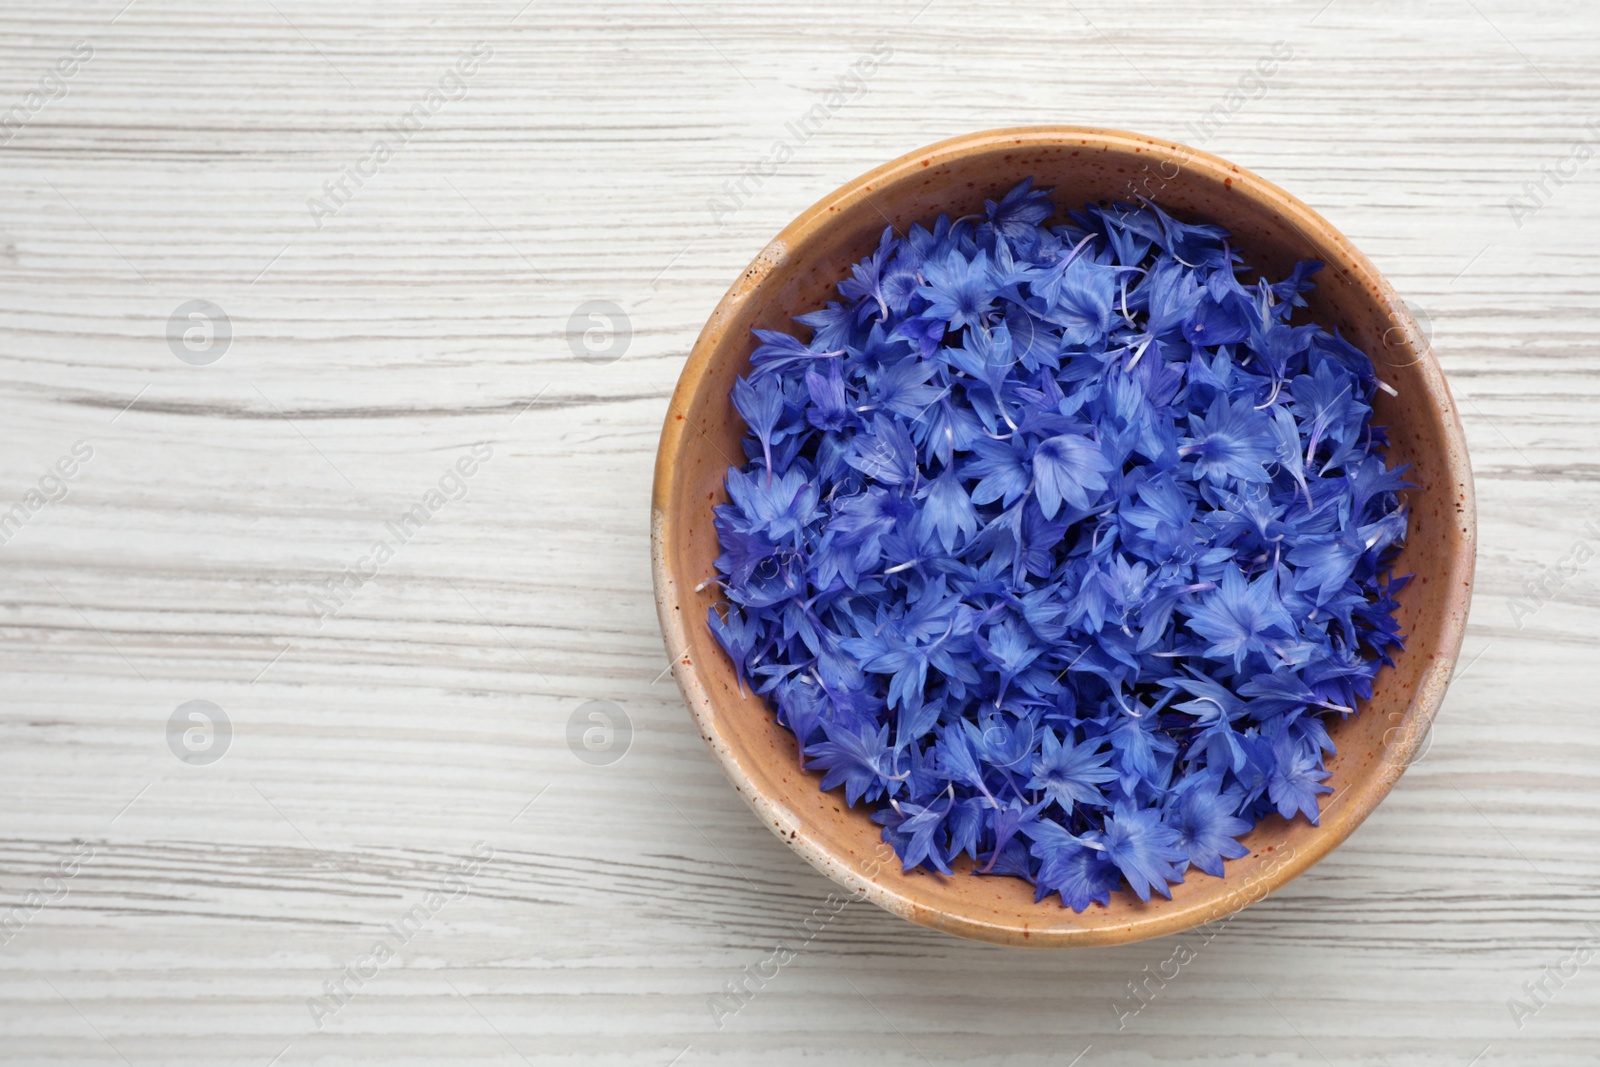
(1069, 773)
(1206, 825)
(1146, 850)
(1068, 468)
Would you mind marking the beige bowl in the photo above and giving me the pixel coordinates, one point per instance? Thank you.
(798, 271)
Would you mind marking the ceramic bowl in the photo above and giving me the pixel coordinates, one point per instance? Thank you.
(797, 272)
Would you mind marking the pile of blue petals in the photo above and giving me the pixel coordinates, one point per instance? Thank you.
(1056, 545)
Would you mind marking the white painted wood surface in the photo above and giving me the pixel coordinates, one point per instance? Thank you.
(207, 905)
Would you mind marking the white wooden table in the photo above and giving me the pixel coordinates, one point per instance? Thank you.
(407, 734)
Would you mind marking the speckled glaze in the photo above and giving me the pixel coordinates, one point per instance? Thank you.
(798, 271)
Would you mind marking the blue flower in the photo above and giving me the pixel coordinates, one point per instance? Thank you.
(903, 388)
(1230, 441)
(1296, 779)
(1324, 402)
(761, 404)
(855, 755)
(1206, 825)
(1079, 295)
(780, 508)
(1068, 468)
(886, 454)
(1147, 851)
(1080, 872)
(957, 289)
(920, 827)
(829, 409)
(947, 515)
(1018, 215)
(867, 277)
(1069, 773)
(1001, 469)
(1241, 617)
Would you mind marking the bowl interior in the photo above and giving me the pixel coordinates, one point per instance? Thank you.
(798, 272)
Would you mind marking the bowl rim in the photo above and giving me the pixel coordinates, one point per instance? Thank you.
(1367, 792)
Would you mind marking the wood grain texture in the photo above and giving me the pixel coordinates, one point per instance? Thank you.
(373, 749)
